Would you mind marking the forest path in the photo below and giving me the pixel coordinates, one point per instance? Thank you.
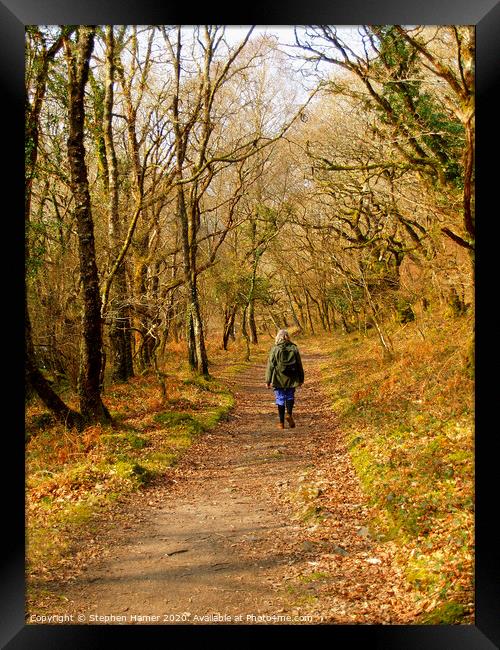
(227, 540)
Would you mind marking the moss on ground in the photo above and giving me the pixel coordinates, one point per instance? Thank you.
(408, 426)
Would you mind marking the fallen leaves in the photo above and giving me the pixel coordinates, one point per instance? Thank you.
(411, 440)
(328, 559)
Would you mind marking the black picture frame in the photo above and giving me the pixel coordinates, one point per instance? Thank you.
(485, 15)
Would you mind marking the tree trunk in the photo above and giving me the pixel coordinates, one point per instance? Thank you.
(229, 317)
(345, 325)
(121, 341)
(309, 315)
(251, 303)
(33, 377)
(320, 313)
(89, 388)
(191, 344)
(244, 332)
(469, 220)
(199, 337)
(327, 315)
(300, 307)
(120, 336)
(384, 339)
(197, 354)
(251, 321)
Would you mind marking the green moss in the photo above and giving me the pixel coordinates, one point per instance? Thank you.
(385, 528)
(123, 441)
(372, 473)
(423, 570)
(44, 543)
(76, 514)
(460, 456)
(236, 368)
(134, 472)
(204, 383)
(445, 614)
(156, 463)
(199, 423)
(343, 406)
(314, 576)
(211, 418)
(48, 542)
(184, 420)
(82, 475)
(356, 440)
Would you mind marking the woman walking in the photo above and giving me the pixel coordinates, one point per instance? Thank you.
(284, 373)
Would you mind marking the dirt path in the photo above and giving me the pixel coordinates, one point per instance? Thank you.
(257, 525)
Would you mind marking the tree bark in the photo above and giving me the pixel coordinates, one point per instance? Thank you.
(318, 307)
(89, 388)
(229, 317)
(119, 334)
(251, 303)
(199, 337)
(188, 219)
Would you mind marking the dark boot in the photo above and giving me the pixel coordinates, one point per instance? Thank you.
(281, 414)
(289, 417)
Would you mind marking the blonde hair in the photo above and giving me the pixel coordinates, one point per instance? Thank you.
(281, 336)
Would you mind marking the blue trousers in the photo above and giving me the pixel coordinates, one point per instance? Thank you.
(284, 395)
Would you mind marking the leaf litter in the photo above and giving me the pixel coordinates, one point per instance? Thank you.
(268, 533)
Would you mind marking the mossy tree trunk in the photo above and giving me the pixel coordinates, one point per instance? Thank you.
(89, 386)
(251, 302)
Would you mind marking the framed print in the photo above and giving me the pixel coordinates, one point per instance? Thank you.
(15, 18)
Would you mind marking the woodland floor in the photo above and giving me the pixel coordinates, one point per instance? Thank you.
(253, 525)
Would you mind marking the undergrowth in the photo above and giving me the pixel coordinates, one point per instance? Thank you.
(73, 476)
(408, 425)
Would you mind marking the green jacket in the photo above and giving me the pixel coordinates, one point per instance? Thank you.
(275, 376)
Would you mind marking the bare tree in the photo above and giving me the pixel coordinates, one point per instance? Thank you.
(120, 332)
(89, 381)
(393, 64)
